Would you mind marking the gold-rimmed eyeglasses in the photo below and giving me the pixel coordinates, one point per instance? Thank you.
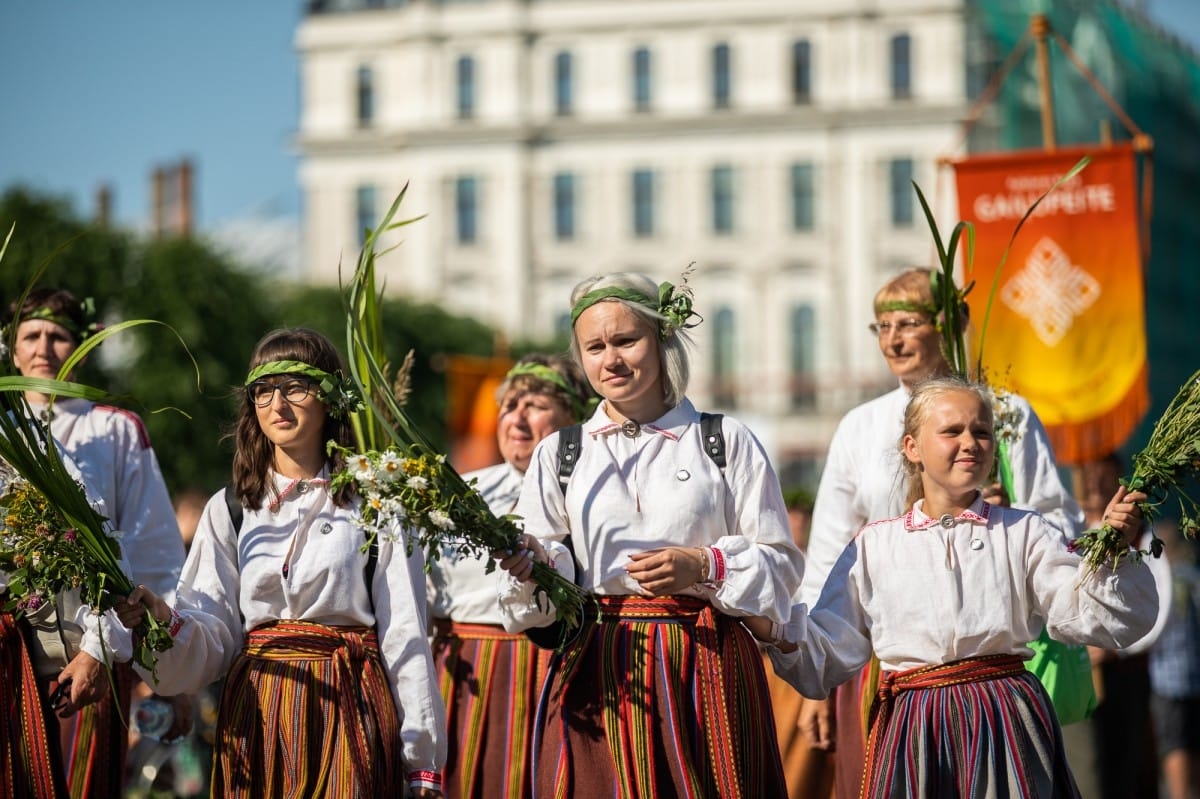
(904, 327)
(262, 392)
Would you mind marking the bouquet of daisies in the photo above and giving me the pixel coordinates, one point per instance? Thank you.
(403, 481)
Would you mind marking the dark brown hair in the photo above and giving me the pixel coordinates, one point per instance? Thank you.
(254, 453)
(58, 302)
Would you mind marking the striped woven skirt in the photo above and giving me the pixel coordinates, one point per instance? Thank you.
(29, 756)
(982, 728)
(307, 711)
(489, 681)
(96, 741)
(661, 698)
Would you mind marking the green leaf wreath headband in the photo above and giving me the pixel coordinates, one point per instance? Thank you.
(337, 392)
(581, 407)
(87, 310)
(673, 304)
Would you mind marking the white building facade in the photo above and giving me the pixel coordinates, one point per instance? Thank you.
(770, 142)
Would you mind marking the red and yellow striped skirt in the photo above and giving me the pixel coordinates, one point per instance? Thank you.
(490, 681)
(307, 711)
(29, 757)
(659, 698)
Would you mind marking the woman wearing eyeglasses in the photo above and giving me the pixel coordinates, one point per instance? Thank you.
(863, 481)
(329, 679)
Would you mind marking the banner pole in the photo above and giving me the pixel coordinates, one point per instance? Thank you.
(1039, 26)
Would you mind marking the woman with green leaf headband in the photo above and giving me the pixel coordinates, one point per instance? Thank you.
(489, 676)
(676, 534)
(282, 597)
(863, 478)
(112, 449)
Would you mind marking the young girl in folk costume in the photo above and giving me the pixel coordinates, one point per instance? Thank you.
(329, 688)
(662, 694)
(946, 596)
(489, 677)
(863, 481)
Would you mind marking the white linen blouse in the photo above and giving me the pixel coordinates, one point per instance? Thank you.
(234, 583)
(863, 481)
(659, 489)
(919, 593)
(112, 449)
(459, 586)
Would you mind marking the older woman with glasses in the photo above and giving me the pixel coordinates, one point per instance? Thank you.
(864, 481)
(329, 678)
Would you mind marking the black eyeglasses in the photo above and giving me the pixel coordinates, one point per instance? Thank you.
(261, 392)
(905, 327)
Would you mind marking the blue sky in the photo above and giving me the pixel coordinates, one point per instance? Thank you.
(103, 91)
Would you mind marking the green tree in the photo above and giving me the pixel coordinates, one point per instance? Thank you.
(220, 312)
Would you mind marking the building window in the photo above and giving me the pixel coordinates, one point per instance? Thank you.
(802, 332)
(564, 206)
(901, 66)
(721, 190)
(803, 199)
(801, 72)
(562, 84)
(724, 358)
(365, 97)
(643, 203)
(720, 76)
(902, 192)
(641, 79)
(464, 76)
(466, 209)
(364, 211)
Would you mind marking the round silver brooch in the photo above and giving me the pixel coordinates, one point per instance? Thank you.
(946, 521)
(682, 474)
(630, 428)
(976, 543)
(302, 487)
(326, 528)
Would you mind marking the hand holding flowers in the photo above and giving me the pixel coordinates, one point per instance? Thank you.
(1169, 461)
(416, 491)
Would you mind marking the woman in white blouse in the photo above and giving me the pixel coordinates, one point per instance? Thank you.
(490, 677)
(662, 694)
(329, 681)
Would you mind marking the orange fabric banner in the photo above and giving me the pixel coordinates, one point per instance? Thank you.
(471, 409)
(1067, 326)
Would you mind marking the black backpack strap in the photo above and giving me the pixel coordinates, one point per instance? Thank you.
(569, 439)
(555, 635)
(713, 438)
(236, 511)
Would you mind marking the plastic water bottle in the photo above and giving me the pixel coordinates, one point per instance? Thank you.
(153, 717)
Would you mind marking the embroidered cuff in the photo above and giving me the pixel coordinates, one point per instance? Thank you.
(425, 779)
(718, 566)
(174, 623)
(713, 573)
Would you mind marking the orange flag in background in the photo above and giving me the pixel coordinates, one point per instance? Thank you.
(1067, 325)
(472, 410)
